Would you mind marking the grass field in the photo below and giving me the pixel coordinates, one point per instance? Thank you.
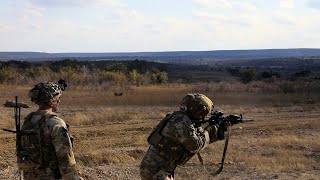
(110, 132)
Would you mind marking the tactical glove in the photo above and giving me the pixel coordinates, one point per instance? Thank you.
(223, 127)
(212, 131)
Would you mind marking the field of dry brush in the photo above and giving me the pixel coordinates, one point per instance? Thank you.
(110, 131)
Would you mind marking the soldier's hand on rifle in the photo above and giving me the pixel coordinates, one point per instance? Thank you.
(224, 126)
(212, 131)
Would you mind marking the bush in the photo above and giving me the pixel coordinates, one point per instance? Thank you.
(117, 67)
(138, 79)
(248, 75)
(159, 77)
(107, 76)
(38, 72)
(9, 75)
(234, 71)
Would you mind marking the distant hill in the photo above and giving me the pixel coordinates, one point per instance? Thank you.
(24, 55)
(172, 56)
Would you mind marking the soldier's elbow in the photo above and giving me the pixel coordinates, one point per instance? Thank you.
(194, 147)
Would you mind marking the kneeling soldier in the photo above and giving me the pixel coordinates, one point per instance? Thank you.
(176, 138)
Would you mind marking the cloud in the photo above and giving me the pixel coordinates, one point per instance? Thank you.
(123, 16)
(299, 21)
(210, 16)
(152, 28)
(223, 19)
(29, 14)
(225, 12)
(225, 5)
(283, 19)
(112, 3)
(213, 4)
(5, 28)
(288, 4)
(77, 3)
(34, 26)
(33, 10)
(128, 14)
(315, 4)
(58, 3)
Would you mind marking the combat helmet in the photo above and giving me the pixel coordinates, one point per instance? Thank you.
(45, 92)
(196, 105)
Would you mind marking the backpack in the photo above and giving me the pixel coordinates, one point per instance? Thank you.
(30, 153)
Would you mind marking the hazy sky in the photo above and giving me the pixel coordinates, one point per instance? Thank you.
(157, 25)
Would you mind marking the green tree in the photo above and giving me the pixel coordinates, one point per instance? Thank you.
(71, 75)
(117, 67)
(108, 76)
(248, 75)
(159, 77)
(38, 72)
(74, 64)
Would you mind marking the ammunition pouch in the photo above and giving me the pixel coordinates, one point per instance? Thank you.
(172, 151)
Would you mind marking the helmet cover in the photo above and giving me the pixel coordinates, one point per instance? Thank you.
(198, 105)
(45, 92)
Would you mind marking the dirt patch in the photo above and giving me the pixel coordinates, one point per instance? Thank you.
(282, 142)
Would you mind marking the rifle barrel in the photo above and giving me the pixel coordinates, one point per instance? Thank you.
(247, 119)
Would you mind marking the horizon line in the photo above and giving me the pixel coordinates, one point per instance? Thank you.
(120, 52)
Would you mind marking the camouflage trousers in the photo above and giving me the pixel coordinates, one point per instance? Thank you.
(155, 167)
(39, 175)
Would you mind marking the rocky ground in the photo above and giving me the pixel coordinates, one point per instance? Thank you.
(192, 172)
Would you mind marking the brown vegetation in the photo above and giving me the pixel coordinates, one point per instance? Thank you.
(115, 73)
(110, 131)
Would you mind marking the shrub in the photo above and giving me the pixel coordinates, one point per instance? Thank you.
(159, 77)
(10, 75)
(248, 75)
(107, 76)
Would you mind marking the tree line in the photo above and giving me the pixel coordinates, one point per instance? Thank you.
(84, 72)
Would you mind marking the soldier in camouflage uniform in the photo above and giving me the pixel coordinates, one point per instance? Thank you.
(46, 149)
(176, 139)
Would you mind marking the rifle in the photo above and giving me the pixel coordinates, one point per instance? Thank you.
(17, 111)
(217, 118)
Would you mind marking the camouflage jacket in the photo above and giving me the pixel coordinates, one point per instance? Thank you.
(46, 146)
(179, 139)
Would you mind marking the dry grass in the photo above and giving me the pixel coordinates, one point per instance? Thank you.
(112, 130)
(222, 93)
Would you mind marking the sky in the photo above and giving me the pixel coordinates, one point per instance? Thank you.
(157, 25)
